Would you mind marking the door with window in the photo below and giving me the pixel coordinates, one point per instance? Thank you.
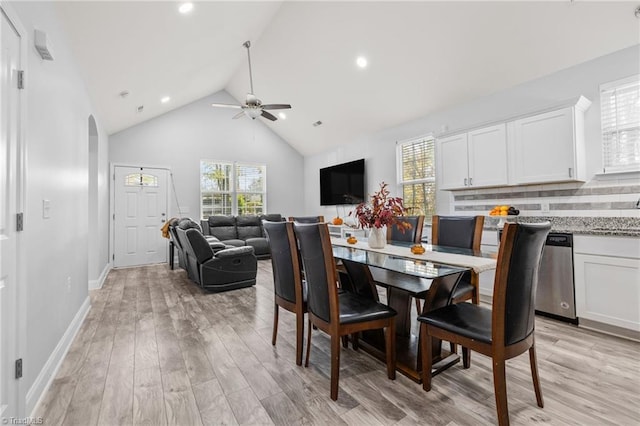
(140, 208)
(10, 41)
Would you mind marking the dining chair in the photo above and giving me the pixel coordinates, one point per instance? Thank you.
(411, 235)
(306, 219)
(338, 314)
(288, 285)
(507, 329)
(460, 232)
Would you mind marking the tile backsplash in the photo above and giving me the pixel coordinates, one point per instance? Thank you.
(605, 198)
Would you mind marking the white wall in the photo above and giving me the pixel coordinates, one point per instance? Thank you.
(181, 138)
(379, 149)
(54, 249)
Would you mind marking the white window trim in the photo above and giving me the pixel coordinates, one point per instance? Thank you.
(232, 184)
(399, 146)
(615, 169)
(399, 180)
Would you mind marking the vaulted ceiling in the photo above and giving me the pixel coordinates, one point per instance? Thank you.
(422, 56)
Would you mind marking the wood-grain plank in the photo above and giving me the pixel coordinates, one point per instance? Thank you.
(180, 403)
(213, 405)
(247, 409)
(148, 397)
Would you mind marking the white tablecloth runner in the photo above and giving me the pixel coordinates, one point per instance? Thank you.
(478, 264)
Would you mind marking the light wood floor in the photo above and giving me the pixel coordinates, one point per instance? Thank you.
(157, 350)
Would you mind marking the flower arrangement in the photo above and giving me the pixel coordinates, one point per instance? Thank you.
(381, 211)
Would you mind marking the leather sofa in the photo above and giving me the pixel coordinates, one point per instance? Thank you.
(240, 231)
(213, 265)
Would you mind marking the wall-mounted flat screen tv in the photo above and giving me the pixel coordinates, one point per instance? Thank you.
(342, 184)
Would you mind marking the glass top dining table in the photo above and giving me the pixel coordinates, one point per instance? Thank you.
(406, 275)
(436, 262)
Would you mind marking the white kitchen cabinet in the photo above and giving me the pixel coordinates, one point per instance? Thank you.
(607, 281)
(549, 147)
(453, 165)
(475, 159)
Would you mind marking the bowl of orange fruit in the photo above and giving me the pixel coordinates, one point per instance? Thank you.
(504, 210)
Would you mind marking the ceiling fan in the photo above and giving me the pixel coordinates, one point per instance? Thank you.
(253, 106)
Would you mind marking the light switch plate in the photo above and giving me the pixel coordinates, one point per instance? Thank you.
(544, 207)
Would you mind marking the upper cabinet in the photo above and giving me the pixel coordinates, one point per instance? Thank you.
(540, 148)
(474, 159)
(549, 147)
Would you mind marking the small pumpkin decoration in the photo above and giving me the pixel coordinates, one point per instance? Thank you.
(352, 240)
(337, 221)
(417, 249)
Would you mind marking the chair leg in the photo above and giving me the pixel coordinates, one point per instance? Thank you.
(335, 366)
(425, 347)
(355, 341)
(306, 361)
(299, 337)
(418, 307)
(345, 341)
(466, 357)
(534, 375)
(275, 323)
(390, 344)
(453, 347)
(500, 386)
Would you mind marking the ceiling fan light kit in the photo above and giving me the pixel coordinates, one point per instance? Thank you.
(253, 107)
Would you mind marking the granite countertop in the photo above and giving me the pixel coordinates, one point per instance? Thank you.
(606, 226)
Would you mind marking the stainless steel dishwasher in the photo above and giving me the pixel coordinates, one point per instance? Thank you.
(555, 296)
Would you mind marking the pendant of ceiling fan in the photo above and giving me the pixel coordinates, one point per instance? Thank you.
(253, 107)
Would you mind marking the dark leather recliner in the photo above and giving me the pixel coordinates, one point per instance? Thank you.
(184, 224)
(225, 269)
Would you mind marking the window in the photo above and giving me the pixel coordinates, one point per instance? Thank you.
(620, 119)
(140, 179)
(417, 175)
(232, 188)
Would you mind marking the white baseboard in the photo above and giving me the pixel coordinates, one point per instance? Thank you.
(97, 284)
(48, 372)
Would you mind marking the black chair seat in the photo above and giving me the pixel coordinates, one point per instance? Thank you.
(463, 288)
(464, 319)
(357, 309)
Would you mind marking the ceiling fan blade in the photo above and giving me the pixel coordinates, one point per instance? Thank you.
(226, 106)
(269, 116)
(276, 106)
(238, 115)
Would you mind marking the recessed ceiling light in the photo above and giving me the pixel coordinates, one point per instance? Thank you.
(165, 99)
(362, 62)
(185, 8)
(317, 123)
(282, 115)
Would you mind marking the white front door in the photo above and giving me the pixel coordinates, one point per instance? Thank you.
(140, 211)
(9, 134)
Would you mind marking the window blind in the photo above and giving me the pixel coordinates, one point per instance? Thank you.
(232, 188)
(620, 120)
(417, 175)
(417, 161)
